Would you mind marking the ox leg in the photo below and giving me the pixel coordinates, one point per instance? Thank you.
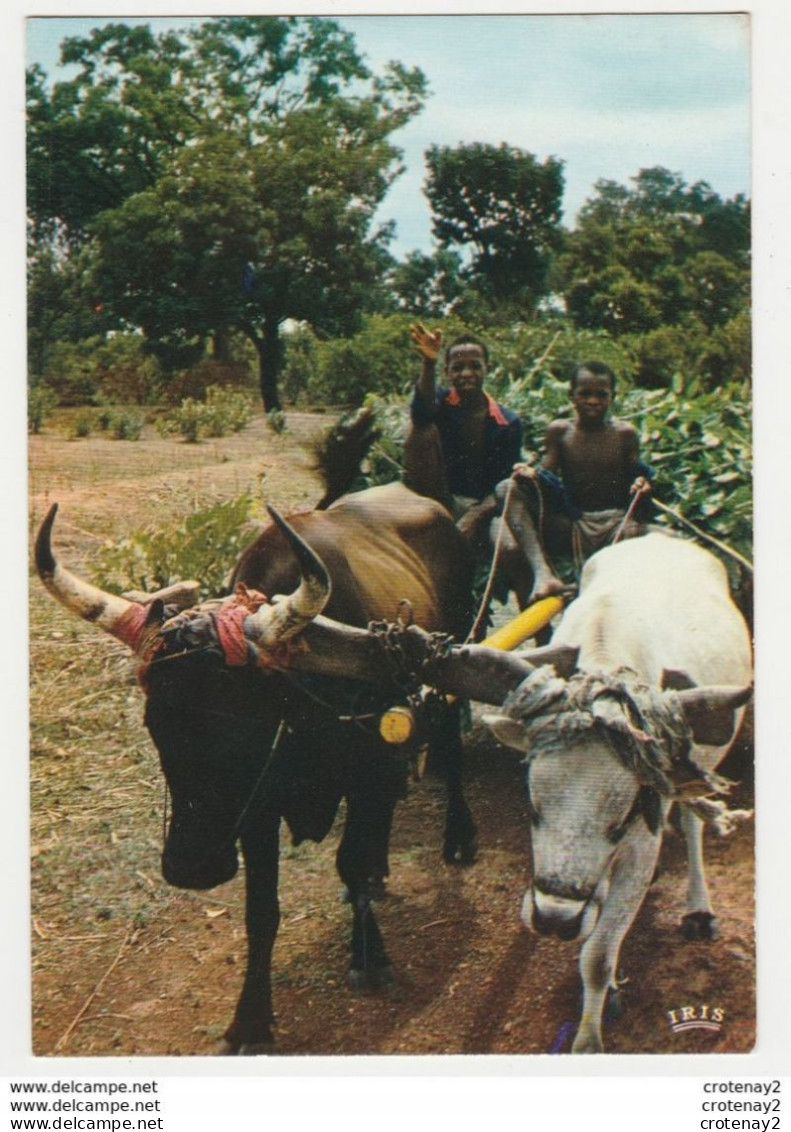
(362, 863)
(699, 921)
(629, 881)
(251, 1030)
(459, 844)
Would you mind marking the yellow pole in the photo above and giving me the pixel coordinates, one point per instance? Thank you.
(398, 724)
(527, 624)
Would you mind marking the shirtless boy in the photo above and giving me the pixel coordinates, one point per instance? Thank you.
(590, 470)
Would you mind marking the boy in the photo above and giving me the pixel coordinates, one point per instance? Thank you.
(590, 471)
(461, 442)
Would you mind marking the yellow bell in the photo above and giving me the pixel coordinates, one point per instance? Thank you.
(397, 725)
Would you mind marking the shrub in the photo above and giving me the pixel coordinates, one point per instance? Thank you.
(276, 421)
(114, 369)
(663, 353)
(83, 424)
(196, 381)
(41, 404)
(204, 546)
(126, 425)
(223, 411)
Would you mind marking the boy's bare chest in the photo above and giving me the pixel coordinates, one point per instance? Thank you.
(584, 449)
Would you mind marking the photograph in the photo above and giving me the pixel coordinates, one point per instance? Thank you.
(390, 523)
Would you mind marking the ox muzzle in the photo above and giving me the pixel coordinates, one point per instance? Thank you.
(197, 855)
(565, 917)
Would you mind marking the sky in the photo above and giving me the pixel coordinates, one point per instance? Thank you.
(607, 94)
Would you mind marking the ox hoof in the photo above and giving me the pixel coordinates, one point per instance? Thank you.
(699, 925)
(614, 1005)
(245, 1049)
(464, 853)
(371, 978)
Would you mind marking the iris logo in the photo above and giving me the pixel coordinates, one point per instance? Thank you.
(700, 1017)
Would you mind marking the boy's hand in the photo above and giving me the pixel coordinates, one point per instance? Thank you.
(523, 471)
(428, 342)
(641, 486)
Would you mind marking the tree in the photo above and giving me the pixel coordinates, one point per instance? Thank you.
(504, 206)
(660, 253)
(269, 154)
(427, 286)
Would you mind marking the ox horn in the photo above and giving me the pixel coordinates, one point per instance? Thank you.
(278, 622)
(89, 602)
(709, 711)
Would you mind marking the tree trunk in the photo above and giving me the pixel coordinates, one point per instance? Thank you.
(270, 358)
(221, 345)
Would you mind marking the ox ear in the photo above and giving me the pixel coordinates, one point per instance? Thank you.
(563, 658)
(709, 711)
(507, 731)
(675, 679)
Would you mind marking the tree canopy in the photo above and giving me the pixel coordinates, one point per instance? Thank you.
(225, 177)
(504, 206)
(661, 253)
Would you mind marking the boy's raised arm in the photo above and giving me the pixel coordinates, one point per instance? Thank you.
(429, 344)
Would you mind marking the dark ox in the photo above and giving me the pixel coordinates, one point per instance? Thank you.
(242, 745)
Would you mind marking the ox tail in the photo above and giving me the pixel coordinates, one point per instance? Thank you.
(337, 456)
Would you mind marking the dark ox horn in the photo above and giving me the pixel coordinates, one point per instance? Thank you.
(286, 618)
(87, 601)
(709, 710)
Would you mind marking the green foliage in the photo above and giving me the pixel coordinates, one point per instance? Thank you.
(699, 442)
(505, 206)
(126, 425)
(276, 421)
(41, 404)
(245, 158)
(656, 255)
(115, 369)
(83, 424)
(203, 546)
(427, 286)
(224, 411)
(727, 353)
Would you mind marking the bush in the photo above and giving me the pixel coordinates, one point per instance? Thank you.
(204, 547)
(126, 425)
(42, 402)
(83, 424)
(224, 411)
(666, 352)
(276, 421)
(196, 381)
(113, 369)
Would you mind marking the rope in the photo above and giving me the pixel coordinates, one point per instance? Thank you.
(707, 538)
(638, 495)
(483, 610)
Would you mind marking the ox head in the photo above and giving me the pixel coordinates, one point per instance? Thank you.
(606, 756)
(213, 723)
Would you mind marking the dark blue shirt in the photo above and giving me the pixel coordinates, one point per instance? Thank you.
(502, 442)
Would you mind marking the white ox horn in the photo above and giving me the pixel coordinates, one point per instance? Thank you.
(87, 601)
(284, 619)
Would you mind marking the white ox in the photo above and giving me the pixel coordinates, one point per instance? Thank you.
(609, 750)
